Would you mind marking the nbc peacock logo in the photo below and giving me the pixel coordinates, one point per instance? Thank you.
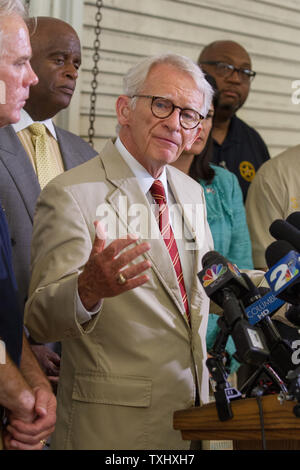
(291, 272)
(213, 273)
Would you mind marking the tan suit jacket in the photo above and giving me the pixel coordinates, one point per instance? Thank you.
(273, 194)
(126, 371)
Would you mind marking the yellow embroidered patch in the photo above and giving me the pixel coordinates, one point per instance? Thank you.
(247, 171)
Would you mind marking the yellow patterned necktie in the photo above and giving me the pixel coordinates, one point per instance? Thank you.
(46, 167)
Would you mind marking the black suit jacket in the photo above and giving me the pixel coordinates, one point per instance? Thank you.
(11, 319)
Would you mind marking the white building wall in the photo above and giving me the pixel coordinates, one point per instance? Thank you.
(268, 29)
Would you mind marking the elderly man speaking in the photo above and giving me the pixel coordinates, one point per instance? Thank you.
(117, 246)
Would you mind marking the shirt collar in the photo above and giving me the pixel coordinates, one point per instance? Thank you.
(26, 121)
(144, 178)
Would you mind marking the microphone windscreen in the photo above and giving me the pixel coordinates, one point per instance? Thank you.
(251, 286)
(253, 293)
(213, 257)
(282, 230)
(233, 276)
(294, 219)
(293, 314)
(276, 251)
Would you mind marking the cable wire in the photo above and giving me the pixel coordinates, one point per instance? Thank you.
(262, 424)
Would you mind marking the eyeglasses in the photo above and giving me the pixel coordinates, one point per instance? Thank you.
(226, 70)
(163, 108)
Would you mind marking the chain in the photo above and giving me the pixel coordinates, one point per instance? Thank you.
(27, 4)
(95, 72)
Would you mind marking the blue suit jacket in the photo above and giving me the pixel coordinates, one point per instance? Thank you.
(11, 318)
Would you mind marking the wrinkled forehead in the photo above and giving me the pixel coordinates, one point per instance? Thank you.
(166, 77)
(14, 37)
(46, 40)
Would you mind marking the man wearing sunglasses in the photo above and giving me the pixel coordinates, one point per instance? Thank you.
(237, 146)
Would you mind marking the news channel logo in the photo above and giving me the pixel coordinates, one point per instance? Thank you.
(213, 273)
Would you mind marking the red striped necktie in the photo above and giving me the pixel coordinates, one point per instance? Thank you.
(158, 194)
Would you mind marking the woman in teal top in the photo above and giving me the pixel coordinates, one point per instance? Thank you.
(226, 217)
(225, 210)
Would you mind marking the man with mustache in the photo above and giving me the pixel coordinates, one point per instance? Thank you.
(237, 146)
(56, 59)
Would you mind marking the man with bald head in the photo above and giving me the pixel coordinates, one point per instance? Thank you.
(56, 59)
(237, 146)
(28, 160)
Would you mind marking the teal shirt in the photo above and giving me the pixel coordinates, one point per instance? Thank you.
(227, 220)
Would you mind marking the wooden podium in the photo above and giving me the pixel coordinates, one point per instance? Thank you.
(281, 426)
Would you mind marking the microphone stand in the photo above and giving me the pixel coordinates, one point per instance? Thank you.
(282, 352)
(252, 388)
(256, 385)
(223, 392)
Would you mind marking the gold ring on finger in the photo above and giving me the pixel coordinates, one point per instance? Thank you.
(121, 279)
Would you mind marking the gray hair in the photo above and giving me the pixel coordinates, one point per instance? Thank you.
(135, 78)
(10, 8)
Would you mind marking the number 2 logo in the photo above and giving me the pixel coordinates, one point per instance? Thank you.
(281, 275)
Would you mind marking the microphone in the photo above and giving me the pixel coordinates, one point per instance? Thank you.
(289, 231)
(219, 273)
(259, 313)
(225, 285)
(284, 230)
(284, 272)
(294, 219)
(263, 306)
(293, 315)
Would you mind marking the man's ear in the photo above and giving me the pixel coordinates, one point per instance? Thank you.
(193, 137)
(123, 109)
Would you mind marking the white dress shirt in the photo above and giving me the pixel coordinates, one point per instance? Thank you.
(26, 121)
(145, 180)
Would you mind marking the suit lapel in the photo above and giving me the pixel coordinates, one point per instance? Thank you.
(193, 215)
(67, 153)
(16, 161)
(130, 204)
